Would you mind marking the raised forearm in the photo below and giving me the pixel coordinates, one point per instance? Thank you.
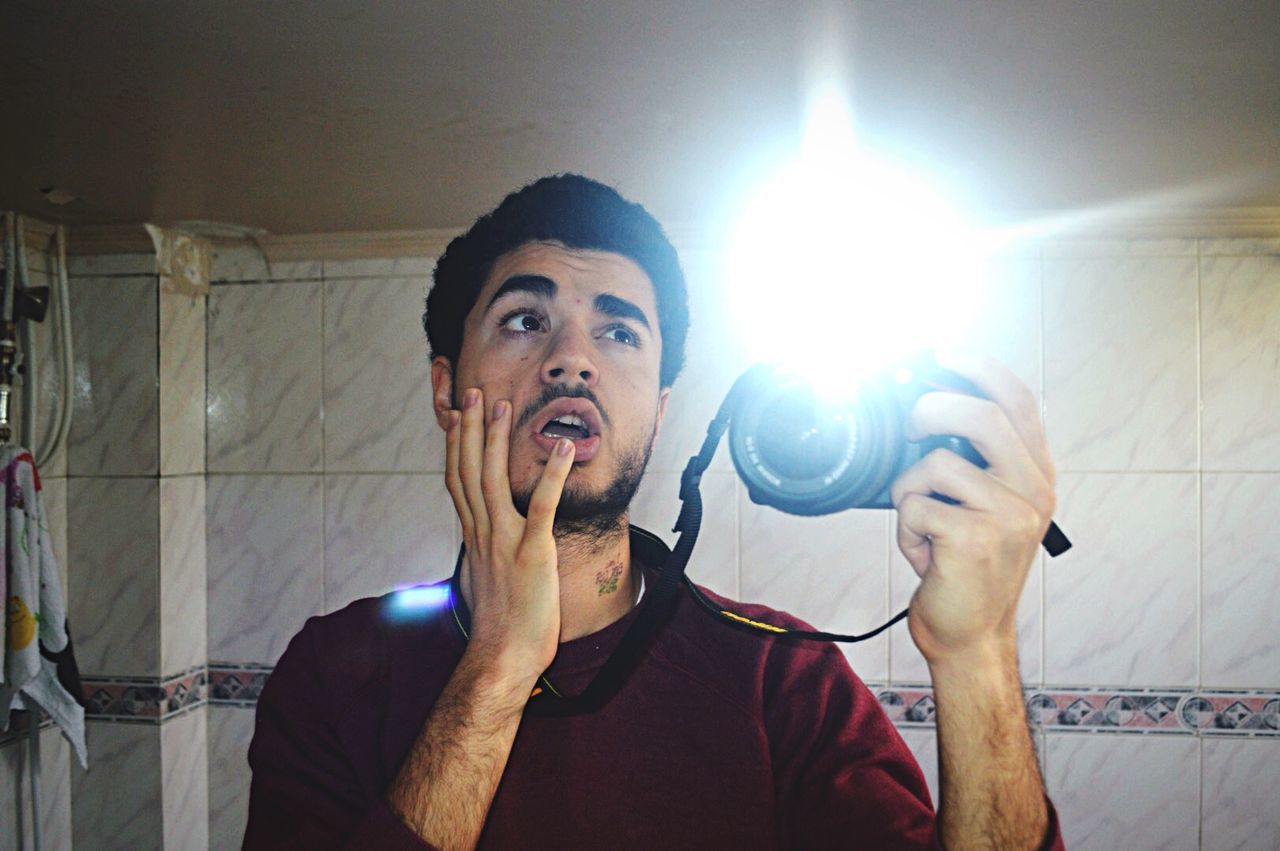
(446, 784)
(992, 794)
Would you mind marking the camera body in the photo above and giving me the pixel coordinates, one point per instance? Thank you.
(810, 454)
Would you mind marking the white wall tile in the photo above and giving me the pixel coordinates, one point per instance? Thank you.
(104, 265)
(1119, 248)
(1120, 363)
(1115, 791)
(1240, 580)
(55, 793)
(381, 267)
(1007, 318)
(714, 561)
(247, 262)
(1238, 808)
(230, 731)
(113, 595)
(184, 776)
(830, 571)
(264, 403)
(115, 421)
(1121, 606)
(55, 790)
(377, 379)
(118, 802)
(266, 563)
(385, 531)
(924, 746)
(1240, 357)
(182, 383)
(1238, 246)
(182, 574)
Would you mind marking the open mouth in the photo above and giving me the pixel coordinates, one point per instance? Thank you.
(571, 417)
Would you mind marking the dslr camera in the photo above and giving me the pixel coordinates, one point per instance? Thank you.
(808, 453)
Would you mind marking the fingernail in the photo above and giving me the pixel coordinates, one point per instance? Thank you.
(564, 447)
(454, 417)
(499, 410)
(470, 397)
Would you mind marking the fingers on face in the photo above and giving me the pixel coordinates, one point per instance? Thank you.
(546, 495)
(471, 461)
(494, 482)
(452, 474)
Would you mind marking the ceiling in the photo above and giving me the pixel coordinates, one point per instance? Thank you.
(307, 116)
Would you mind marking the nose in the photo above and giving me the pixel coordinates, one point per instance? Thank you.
(569, 359)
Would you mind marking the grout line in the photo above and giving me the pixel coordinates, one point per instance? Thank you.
(1199, 471)
(1044, 573)
(324, 459)
(1200, 784)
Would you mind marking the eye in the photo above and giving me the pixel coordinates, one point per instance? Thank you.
(522, 321)
(622, 334)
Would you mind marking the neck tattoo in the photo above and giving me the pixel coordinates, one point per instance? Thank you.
(607, 579)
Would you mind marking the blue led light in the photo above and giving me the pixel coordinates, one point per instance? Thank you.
(421, 597)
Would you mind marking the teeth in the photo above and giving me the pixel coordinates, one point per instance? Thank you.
(571, 420)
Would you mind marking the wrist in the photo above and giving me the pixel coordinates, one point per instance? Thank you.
(992, 662)
(503, 677)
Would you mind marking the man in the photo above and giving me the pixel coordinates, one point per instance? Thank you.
(557, 326)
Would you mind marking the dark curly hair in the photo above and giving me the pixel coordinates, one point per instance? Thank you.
(579, 213)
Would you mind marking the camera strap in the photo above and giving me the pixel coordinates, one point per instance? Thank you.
(1055, 542)
(658, 604)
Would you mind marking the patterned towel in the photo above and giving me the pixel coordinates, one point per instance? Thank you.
(39, 665)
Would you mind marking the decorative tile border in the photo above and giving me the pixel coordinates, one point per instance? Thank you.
(233, 684)
(1170, 711)
(144, 700)
(1183, 712)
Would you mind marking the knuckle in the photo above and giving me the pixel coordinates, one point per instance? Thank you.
(991, 418)
(1032, 521)
(1026, 403)
(939, 460)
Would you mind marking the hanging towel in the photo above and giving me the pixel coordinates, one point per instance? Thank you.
(39, 665)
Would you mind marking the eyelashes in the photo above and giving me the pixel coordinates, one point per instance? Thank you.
(521, 321)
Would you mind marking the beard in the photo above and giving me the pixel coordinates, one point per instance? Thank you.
(586, 513)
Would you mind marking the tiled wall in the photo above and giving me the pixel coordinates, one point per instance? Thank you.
(136, 549)
(1148, 651)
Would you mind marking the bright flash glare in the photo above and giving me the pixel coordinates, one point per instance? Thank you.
(843, 263)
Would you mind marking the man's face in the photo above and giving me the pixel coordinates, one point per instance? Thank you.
(571, 338)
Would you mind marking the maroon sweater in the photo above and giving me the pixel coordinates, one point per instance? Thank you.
(721, 738)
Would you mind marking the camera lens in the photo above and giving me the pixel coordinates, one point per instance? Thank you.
(800, 440)
(807, 453)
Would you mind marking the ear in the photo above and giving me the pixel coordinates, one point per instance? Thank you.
(662, 411)
(441, 388)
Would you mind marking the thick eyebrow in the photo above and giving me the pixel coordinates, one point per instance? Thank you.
(536, 284)
(611, 305)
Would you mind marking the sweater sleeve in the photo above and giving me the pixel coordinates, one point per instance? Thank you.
(304, 792)
(843, 774)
